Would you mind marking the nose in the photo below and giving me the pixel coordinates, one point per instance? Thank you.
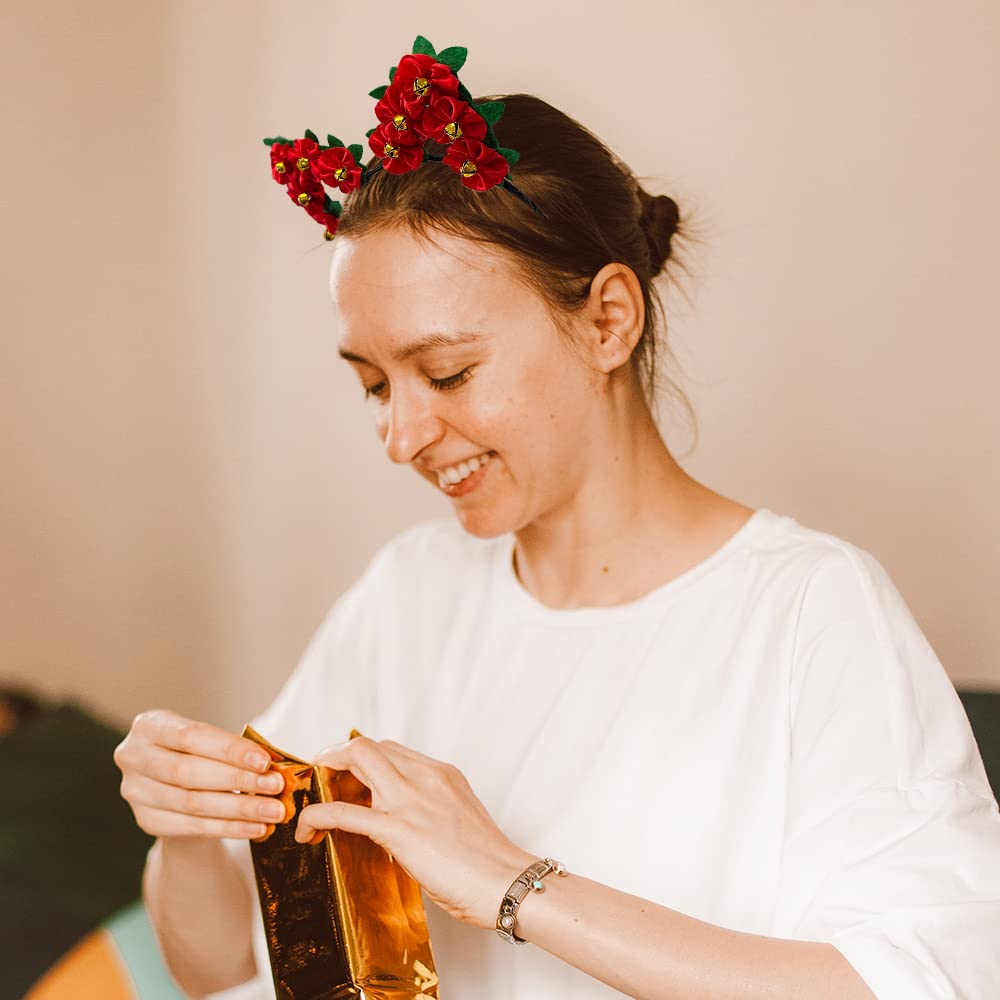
(407, 425)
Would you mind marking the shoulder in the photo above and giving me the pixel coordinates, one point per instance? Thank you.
(860, 655)
(824, 576)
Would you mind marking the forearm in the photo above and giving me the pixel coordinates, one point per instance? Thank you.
(655, 953)
(201, 911)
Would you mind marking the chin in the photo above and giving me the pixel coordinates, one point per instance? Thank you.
(484, 523)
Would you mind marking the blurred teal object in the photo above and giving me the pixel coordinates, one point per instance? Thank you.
(139, 951)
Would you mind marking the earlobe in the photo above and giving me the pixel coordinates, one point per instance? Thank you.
(617, 312)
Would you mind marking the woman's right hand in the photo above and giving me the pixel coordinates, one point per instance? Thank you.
(179, 776)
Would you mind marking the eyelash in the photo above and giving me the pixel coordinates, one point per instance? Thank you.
(439, 384)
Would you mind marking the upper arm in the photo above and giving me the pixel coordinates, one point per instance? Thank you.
(892, 839)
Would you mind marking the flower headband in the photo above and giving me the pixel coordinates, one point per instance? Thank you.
(423, 100)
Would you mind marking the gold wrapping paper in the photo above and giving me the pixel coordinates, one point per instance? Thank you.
(342, 917)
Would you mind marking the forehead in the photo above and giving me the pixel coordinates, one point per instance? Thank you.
(393, 283)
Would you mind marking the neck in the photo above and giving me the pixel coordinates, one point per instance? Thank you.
(635, 521)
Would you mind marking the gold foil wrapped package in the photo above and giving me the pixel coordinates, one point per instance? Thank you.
(342, 917)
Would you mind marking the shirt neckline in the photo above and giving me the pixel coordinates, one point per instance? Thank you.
(515, 592)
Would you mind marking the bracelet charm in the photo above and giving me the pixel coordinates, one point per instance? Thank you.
(530, 880)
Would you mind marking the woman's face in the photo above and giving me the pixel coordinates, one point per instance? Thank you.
(469, 380)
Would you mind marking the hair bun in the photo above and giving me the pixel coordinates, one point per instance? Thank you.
(659, 220)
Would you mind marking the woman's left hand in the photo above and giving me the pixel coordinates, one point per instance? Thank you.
(425, 814)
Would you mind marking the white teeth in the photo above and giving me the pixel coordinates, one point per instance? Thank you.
(456, 473)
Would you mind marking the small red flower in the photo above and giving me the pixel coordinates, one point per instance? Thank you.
(479, 166)
(326, 219)
(336, 167)
(391, 111)
(304, 189)
(305, 152)
(401, 152)
(421, 77)
(447, 119)
(282, 162)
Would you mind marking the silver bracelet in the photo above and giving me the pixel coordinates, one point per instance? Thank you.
(530, 880)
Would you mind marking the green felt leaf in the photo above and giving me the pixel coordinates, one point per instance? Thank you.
(333, 140)
(357, 151)
(270, 142)
(310, 134)
(423, 47)
(368, 134)
(392, 72)
(454, 57)
(379, 92)
(331, 206)
(491, 111)
(510, 155)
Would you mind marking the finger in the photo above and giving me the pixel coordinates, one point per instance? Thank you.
(164, 823)
(204, 740)
(366, 761)
(316, 819)
(187, 770)
(209, 805)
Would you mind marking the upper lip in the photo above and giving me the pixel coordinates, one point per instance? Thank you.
(455, 465)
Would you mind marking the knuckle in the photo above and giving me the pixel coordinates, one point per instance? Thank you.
(186, 734)
(245, 781)
(173, 772)
(149, 718)
(191, 803)
(252, 808)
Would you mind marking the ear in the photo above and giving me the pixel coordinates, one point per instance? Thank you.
(614, 317)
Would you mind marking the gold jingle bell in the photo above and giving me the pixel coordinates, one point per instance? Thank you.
(468, 169)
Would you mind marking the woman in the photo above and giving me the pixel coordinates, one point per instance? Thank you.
(726, 725)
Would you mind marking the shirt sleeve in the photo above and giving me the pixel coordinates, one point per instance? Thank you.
(327, 694)
(892, 833)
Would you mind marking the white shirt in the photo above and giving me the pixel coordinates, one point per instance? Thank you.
(766, 742)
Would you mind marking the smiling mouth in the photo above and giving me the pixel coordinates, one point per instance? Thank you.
(455, 474)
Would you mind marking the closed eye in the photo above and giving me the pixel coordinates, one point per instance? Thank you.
(379, 389)
(452, 381)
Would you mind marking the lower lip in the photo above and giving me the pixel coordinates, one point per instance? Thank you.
(467, 485)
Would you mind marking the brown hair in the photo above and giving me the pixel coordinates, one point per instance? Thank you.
(596, 212)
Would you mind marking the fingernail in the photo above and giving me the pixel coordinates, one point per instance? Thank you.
(274, 810)
(258, 761)
(272, 782)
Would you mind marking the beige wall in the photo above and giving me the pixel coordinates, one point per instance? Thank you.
(189, 476)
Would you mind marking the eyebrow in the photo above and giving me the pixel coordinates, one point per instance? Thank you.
(427, 343)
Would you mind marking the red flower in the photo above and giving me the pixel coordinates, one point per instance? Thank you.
(401, 152)
(304, 189)
(282, 162)
(326, 219)
(337, 168)
(305, 152)
(391, 111)
(447, 119)
(479, 166)
(421, 77)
